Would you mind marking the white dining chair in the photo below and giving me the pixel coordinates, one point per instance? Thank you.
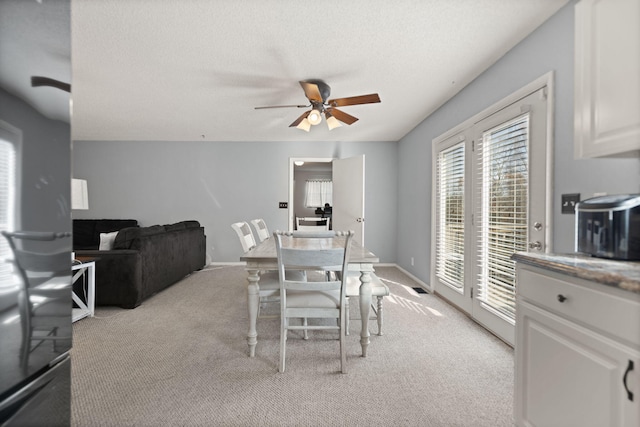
(269, 284)
(261, 229)
(311, 223)
(322, 299)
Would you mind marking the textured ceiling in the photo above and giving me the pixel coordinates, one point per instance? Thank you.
(195, 69)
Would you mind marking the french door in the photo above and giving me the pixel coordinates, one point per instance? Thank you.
(491, 186)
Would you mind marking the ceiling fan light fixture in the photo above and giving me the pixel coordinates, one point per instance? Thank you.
(332, 122)
(314, 117)
(304, 125)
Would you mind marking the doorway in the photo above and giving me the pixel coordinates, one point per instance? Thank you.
(492, 186)
(347, 176)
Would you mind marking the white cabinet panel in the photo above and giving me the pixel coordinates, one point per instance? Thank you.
(571, 376)
(607, 78)
(577, 352)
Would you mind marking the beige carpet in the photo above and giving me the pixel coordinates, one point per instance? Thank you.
(180, 359)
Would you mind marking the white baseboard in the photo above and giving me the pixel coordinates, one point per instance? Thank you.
(422, 284)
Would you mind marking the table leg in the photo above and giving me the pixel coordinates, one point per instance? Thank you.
(365, 309)
(91, 293)
(253, 304)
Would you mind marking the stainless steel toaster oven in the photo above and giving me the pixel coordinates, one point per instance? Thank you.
(609, 226)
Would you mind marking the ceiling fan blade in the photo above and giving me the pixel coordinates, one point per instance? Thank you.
(312, 91)
(46, 81)
(299, 119)
(354, 100)
(282, 106)
(342, 116)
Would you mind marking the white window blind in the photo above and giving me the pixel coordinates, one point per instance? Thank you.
(450, 211)
(502, 212)
(318, 192)
(7, 209)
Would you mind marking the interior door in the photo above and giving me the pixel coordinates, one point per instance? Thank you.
(348, 196)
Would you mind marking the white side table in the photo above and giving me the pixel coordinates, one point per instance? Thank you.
(85, 268)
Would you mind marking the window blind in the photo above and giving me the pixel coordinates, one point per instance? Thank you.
(502, 213)
(318, 192)
(7, 198)
(450, 211)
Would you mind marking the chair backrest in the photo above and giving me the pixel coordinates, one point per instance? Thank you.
(311, 223)
(43, 260)
(319, 250)
(245, 235)
(38, 258)
(261, 229)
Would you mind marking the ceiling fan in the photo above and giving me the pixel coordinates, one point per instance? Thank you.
(317, 91)
(37, 81)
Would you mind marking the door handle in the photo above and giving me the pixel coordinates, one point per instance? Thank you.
(624, 380)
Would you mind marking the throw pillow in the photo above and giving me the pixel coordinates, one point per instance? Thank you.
(106, 240)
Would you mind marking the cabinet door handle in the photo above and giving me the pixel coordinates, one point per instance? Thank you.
(561, 298)
(624, 380)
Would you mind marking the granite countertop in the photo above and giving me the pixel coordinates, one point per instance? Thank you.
(621, 274)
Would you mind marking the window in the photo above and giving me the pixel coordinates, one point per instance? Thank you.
(450, 234)
(317, 192)
(8, 142)
(502, 216)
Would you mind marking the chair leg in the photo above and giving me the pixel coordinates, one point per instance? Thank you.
(305, 322)
(343, 343)
(346, 309)
(283, 342)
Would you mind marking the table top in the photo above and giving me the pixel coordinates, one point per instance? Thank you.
(266, 251)
(84, 259)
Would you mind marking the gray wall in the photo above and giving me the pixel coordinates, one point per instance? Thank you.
(548, 48)
(43, 167)
(219, 183)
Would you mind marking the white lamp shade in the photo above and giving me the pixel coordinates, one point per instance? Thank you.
(304, 125)
(314, 117)
(332, 122)
(79, 194)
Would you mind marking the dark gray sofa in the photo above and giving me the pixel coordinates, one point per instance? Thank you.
(143, 260)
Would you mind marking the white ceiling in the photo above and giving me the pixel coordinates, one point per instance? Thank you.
(195, 69)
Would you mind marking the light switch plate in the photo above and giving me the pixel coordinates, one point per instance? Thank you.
(569, 203)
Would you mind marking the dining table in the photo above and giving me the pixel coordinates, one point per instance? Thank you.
(263, 257)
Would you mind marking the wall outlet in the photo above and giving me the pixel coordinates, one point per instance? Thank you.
(283, 205)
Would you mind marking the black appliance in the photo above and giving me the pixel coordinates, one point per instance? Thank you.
(609, 226)
(35, 219)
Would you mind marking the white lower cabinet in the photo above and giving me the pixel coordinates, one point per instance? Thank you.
(577, 362)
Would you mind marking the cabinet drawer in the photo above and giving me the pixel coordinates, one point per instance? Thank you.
(577, 301)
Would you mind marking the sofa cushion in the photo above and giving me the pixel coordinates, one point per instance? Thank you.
(126, 236)
(86, 232)
(182, 225)
(175, 227)
(106, 240)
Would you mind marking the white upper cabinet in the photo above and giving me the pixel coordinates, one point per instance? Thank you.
(607, 78)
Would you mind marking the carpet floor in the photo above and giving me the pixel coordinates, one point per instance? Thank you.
(181, 359)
